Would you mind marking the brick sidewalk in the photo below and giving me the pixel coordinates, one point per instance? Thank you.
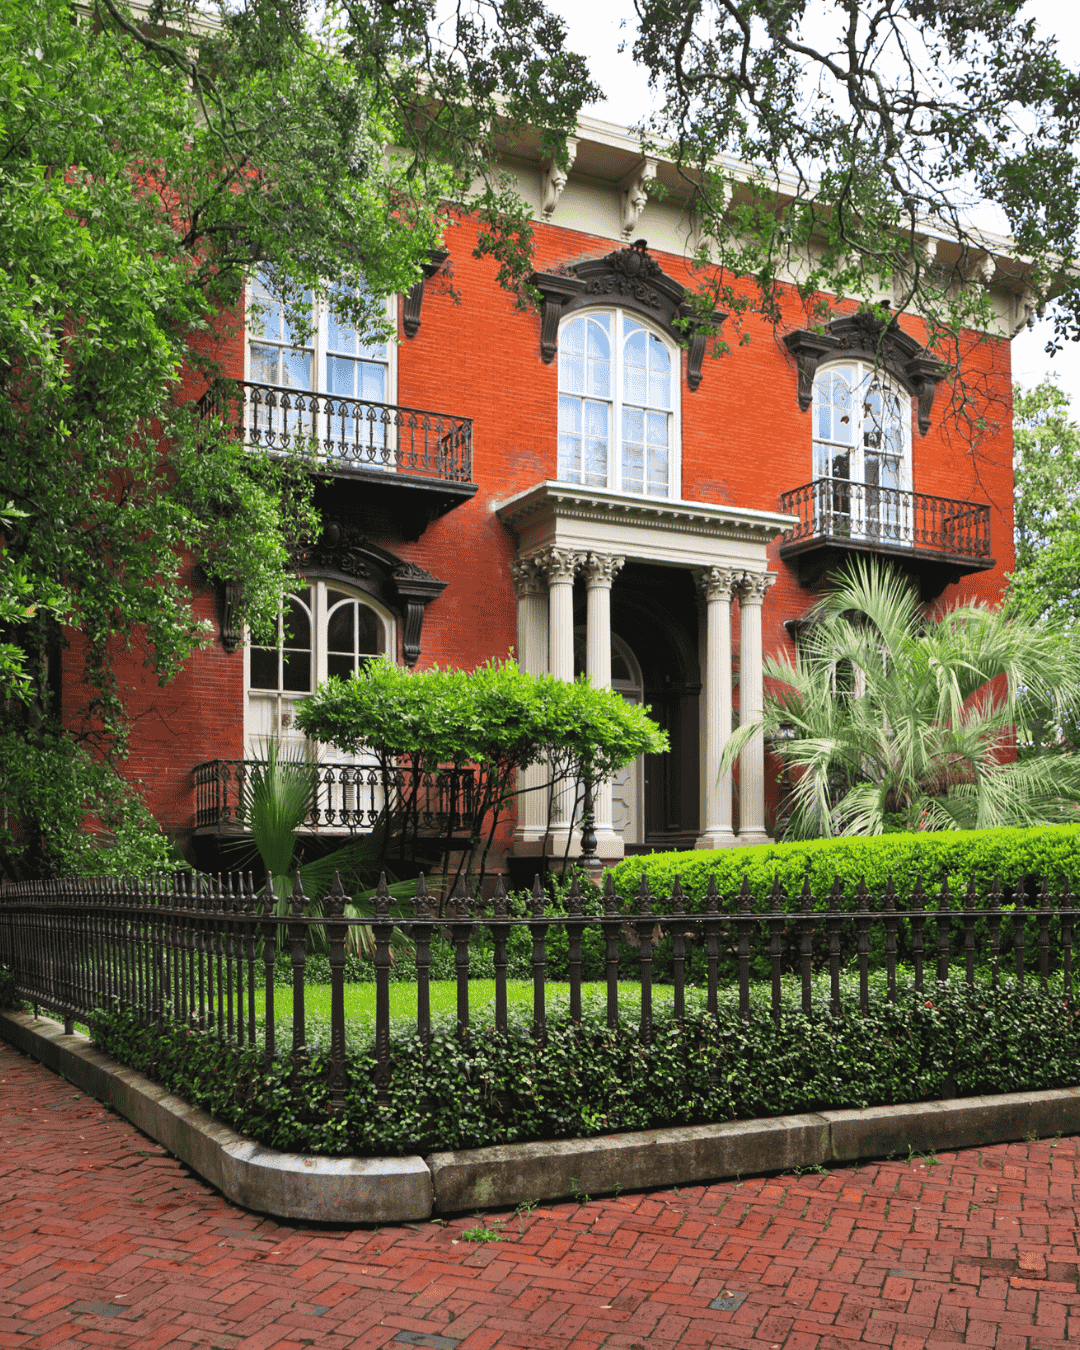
(107, 1241)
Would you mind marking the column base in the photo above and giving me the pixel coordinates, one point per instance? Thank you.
(609, 845)
(748, 838)
(716, 839)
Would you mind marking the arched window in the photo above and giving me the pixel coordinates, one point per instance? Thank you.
(618, 405)
(325, 629)
(862, 451)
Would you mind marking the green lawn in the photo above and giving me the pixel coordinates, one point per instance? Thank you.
(360, 998)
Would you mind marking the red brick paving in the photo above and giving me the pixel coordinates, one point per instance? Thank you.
(106, 1241)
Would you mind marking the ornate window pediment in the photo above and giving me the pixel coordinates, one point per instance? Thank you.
(863, 337)
(628, 279)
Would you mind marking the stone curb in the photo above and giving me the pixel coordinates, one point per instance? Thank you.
(395, 1190)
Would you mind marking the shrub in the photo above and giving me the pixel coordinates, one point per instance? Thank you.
(8, 997)
(1052, 852)
(482, 1088)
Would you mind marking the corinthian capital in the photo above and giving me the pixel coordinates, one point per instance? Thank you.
(559, 564)
(753, 586)
(528, 578)
(601, 569)
(717, 583)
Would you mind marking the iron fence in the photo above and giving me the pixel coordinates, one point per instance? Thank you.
(836, 509)
(198, 950)
(347, 796)
(345, 433)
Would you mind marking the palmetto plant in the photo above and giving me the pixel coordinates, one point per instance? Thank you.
(892, 719)
(280, 794)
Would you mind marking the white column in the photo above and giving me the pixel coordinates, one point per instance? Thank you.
(717, 584)
(751, 706)
(530, 584)
(600, 571)
(560, 565)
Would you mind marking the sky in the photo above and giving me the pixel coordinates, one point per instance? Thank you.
(598, 27)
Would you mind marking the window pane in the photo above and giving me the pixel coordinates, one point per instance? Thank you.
(371, 638)
(264, 365)
(295, 368)
(297, 624)
(335, 598)
(340, 336)
(340, 376)
(296, 671)
(372, 382)
(659, 374)
(340, 631)
(264, 668)
(598, 357)
(635, 363)
(340, 665)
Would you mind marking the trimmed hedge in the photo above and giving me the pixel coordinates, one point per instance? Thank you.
(1052, 852)
(467, 1091)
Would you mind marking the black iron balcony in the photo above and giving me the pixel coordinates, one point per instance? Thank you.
(416, 463)
(348, 798)
(936, 539)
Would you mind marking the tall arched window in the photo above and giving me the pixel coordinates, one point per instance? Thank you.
(618, 405)
(325, 629)
(862, 451)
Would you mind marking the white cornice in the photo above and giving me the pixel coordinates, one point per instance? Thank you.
(564, 501)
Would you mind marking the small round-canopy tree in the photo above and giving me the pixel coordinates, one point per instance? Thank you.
(497, 719)
(889, 719)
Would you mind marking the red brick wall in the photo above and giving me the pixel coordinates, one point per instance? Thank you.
(744, 440)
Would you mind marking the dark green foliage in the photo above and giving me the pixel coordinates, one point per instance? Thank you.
(1010, 854)
(8, 998)
(483, 1088)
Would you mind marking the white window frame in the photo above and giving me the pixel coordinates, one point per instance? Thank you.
(614, 483)
(320, 343)
(854, 507)
(254, 733)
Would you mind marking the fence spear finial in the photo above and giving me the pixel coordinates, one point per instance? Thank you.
(611, 899)
(421, 899)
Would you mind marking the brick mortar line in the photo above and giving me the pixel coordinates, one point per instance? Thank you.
(396, 1190)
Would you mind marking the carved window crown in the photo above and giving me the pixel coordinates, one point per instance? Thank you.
(879, 343)
(629, 279)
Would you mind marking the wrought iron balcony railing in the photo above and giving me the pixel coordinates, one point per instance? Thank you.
(835, 511)
(347, 797)
(339, 433)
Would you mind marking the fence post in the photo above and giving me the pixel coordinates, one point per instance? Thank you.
(461, 931)
(539, 929)
(679, 921)
(1066, 905)
(575, 926)
(611, 954)
(422, 931)
(269, 933)
(944, 937)
(383, 930)
(745, 926)
(806, 942)
(892, 923)
(712, 944)
(1019, 935)
(1044, 934)
(971, 902)
(862, 927)
(335, 929)
(298, 953)
(834, 923)
(918, 931)
(995, 930)
(644, 926)
(777, 920)
(500, 932)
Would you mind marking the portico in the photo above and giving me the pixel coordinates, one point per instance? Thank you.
(563, 532)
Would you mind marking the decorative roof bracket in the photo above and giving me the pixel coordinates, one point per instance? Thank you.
(414, 297)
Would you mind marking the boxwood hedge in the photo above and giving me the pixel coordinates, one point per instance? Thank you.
(1052, 852)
